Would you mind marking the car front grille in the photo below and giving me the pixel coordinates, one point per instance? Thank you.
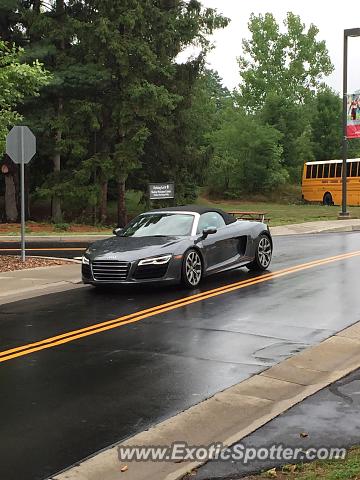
(110, 270)
(144, 272)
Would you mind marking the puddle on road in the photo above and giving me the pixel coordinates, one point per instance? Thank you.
(278, 351)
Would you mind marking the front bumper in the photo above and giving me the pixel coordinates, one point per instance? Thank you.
(133, 274)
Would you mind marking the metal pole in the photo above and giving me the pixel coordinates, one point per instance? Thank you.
(344, 212)
(22, 181)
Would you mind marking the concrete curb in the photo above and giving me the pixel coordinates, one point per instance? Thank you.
(35, 290)
(311, 228)
(64, 259)
(55, 238)
(40, 290)
(231, 415)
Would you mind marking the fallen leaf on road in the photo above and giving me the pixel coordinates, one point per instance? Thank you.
(271, 473)
(304, 434)
(125, 468)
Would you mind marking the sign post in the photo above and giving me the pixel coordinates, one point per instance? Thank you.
(21, 147)
(350, 32)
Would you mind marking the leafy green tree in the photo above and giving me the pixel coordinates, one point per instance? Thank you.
(181, 149)
(293, 122)
(291, 64)
(137, 43)
(247, 155)
(18, 81)
(327, 125)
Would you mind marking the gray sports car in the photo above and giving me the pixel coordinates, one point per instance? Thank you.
(179, 244)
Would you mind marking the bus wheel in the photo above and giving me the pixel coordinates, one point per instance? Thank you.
(328, 200)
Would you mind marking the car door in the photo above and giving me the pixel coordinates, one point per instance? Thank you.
(219, 248)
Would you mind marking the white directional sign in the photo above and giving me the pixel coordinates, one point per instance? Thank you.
(161, 191)
(21, 147)
(21, 144)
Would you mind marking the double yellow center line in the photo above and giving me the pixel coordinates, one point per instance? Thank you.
(157, 310)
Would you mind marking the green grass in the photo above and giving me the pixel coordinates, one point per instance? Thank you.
(348, 469)
(283, 214)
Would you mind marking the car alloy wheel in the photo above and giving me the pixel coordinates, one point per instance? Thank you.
(264, 252)
(192, 269)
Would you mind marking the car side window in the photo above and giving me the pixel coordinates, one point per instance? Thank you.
(210, 219)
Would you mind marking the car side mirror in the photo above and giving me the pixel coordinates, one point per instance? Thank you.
(117, 231)
(209, 231)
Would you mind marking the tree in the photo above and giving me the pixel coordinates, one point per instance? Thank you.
(293, 122)
(116, 94)
(291, 64)
(327, 125)
(18, 81)
(137, 43)
(247, 155)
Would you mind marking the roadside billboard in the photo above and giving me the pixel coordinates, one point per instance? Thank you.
(353, 116)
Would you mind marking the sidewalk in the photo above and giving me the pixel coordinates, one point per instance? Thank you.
(34, 282)
(327, 226)
(327, 420)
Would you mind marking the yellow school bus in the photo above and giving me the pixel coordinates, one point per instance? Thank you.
(321, 182)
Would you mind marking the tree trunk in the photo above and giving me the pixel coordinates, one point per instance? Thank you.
(103, 202)
(10, 171)
(121, 213)
(56, 213)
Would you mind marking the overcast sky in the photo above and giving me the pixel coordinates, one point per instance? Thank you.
(330, 17)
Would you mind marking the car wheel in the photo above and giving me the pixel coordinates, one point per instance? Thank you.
(328, 200)
(263, 254)
(192, 269)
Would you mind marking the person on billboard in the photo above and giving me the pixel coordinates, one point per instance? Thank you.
(353, 109)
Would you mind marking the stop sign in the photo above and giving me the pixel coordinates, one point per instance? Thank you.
(21, 144)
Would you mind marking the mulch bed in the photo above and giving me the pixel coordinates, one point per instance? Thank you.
(10, 264)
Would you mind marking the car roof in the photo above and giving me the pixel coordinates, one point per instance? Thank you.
(228, 218)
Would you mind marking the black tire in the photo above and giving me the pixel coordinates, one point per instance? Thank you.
(192, 269)
(263, 254)
(328, 200)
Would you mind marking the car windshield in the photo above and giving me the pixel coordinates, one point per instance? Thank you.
(159, 225)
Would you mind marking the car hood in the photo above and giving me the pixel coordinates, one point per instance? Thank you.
(133, 248)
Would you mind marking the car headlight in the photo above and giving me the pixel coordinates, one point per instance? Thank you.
(85, 261)
(162, 260)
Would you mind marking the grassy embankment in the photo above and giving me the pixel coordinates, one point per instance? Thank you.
(348, 469)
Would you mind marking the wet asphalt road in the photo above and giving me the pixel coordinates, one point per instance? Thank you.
(49, 248)
(330, 418)
(62, 404)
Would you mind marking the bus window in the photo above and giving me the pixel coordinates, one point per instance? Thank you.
(308, 171)
(338, 170)
(332, 170)
(320, 171)
(354, 169)
(348, 169)
(314, 171)
(326, 171)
